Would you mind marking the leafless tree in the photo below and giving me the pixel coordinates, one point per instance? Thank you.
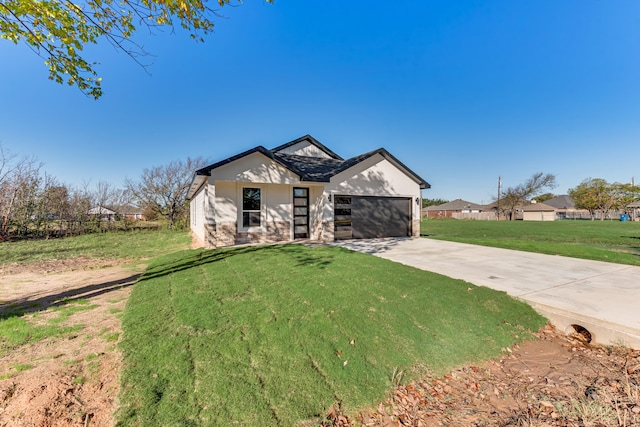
(163, 189)
(20, 181)
(513, 197)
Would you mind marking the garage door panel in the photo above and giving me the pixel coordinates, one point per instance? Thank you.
(374, 217)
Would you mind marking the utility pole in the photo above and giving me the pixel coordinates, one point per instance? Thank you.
(498, 205)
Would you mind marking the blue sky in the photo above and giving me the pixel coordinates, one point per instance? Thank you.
(460, 91)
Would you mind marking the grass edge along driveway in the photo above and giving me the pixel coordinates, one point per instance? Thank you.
(275, 335)
(609, 241)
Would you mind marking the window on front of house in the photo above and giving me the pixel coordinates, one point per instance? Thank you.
(250, 207)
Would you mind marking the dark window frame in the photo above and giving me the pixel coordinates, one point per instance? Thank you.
(251, 207)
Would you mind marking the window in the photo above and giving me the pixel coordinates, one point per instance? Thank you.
(250, 207)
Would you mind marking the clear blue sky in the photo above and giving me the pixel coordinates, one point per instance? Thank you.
(460, 91)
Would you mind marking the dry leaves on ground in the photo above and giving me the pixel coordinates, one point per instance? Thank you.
(555, 381)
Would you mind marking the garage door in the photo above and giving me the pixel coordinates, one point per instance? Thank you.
(359, 217)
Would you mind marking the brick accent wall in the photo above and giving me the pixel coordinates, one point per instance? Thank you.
(210, 235)
(278, 231)
(415, 227)
(226, 234)
(323, 231)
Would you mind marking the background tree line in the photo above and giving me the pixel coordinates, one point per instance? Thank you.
(598, 196)
(34, 204)
(595, 195)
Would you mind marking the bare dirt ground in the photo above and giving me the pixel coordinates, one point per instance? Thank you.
(73, 381)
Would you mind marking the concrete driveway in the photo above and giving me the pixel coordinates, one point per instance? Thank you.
(602, 297)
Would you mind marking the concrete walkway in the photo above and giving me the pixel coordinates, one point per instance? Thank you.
(602, 297)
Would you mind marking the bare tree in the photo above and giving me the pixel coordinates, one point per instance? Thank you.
(57, 206)
(516, 196)
(80, 201)
(20, 181)
(163, 189)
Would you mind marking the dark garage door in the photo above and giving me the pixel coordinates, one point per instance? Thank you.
(359, 217)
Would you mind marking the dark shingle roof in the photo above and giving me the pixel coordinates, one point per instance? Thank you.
(313, 169)
(561, 202)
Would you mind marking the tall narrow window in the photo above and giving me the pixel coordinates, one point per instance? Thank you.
(300, 213)
(250, 207)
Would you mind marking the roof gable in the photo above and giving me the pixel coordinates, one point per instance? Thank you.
(317, 164)
(391, 158)
(306, 146)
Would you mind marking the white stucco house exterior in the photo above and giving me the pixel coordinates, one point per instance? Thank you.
(303, 190)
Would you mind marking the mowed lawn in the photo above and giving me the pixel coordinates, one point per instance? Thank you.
(275, 335)
(122, 245)
(611, 241)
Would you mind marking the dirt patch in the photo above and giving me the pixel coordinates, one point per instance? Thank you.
(56, 266)
(558, 380)
(72, 380)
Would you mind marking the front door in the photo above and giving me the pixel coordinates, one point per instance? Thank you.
(300, 213)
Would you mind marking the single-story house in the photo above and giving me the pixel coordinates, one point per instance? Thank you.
(446, 210)
(303, 190)
(105, 213)
(538, 212)
(132, 213)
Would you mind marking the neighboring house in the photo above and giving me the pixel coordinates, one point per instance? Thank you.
(303, 190)
(565, 208)
(105, 213)
(538, 212)
(132, 213)
(447, 210)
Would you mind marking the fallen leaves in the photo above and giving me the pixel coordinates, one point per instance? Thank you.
(520, 388)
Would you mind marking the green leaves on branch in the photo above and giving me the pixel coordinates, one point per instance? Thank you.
(598, 195)
(58, 30)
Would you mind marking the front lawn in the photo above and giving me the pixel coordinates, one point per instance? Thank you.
(126, 245)
(611, 241)
(275, 335)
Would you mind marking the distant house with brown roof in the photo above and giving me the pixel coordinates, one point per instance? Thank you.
(133, 213)
(446, 210)
(538, 212)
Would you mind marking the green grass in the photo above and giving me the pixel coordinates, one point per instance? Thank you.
(275, 335)
(67, 309)
(611, 241)
(16, 331)
(133, 245)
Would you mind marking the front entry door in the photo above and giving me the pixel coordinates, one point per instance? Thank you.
(300, 213)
